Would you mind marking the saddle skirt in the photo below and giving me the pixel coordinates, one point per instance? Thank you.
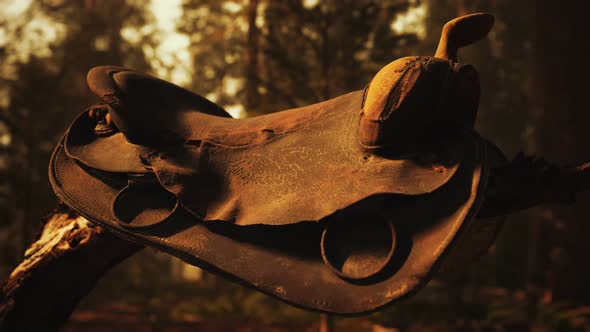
(342, 206)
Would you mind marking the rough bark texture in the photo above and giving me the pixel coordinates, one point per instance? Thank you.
(59, 268)
(528, 181)
(71, 254)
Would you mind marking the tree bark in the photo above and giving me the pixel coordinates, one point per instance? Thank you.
(528, 181)
(59, 268)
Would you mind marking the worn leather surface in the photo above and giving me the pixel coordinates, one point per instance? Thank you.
(283, 168)
(295, 203)
(428, 204)
(256, 195)
(285, 261)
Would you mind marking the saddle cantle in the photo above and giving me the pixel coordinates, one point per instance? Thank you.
(342, 206)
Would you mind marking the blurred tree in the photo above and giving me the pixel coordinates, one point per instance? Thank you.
(558, 130)
(252, 96)
(279, 55)
(315, 51)
(43, 91)
(217, 32)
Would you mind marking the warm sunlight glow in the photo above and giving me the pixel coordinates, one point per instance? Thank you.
(236, 111)
(310, 3)
(412, 21)
(37, 34)
(14, 8)
(171, 58)
(232, 7)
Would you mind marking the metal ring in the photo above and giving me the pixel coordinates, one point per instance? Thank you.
(357, 249)
(144, 206)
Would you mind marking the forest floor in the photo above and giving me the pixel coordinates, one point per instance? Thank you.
(124, 317)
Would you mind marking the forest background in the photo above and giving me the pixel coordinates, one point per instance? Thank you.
(260, 56)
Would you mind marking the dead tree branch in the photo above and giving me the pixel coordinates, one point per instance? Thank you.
(59, 268)
(529, 181)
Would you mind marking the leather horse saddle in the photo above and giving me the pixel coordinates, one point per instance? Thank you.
(342, 206)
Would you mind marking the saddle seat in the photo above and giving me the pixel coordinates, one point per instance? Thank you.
(151, 111)
(216, 165)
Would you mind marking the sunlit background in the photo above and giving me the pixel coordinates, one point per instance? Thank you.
(259, 56)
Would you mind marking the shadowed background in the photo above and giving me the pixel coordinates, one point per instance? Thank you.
(259, 56)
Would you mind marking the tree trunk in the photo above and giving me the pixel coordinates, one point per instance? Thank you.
(59, 268)
(559, 121)
(251, 58)
(326, 323)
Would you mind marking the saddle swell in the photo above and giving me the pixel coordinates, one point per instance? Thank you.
(142, 98)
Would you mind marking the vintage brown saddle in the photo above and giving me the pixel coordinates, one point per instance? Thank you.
(343, 206)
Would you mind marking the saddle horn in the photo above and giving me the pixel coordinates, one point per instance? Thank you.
(462, 31)
(404, 97)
